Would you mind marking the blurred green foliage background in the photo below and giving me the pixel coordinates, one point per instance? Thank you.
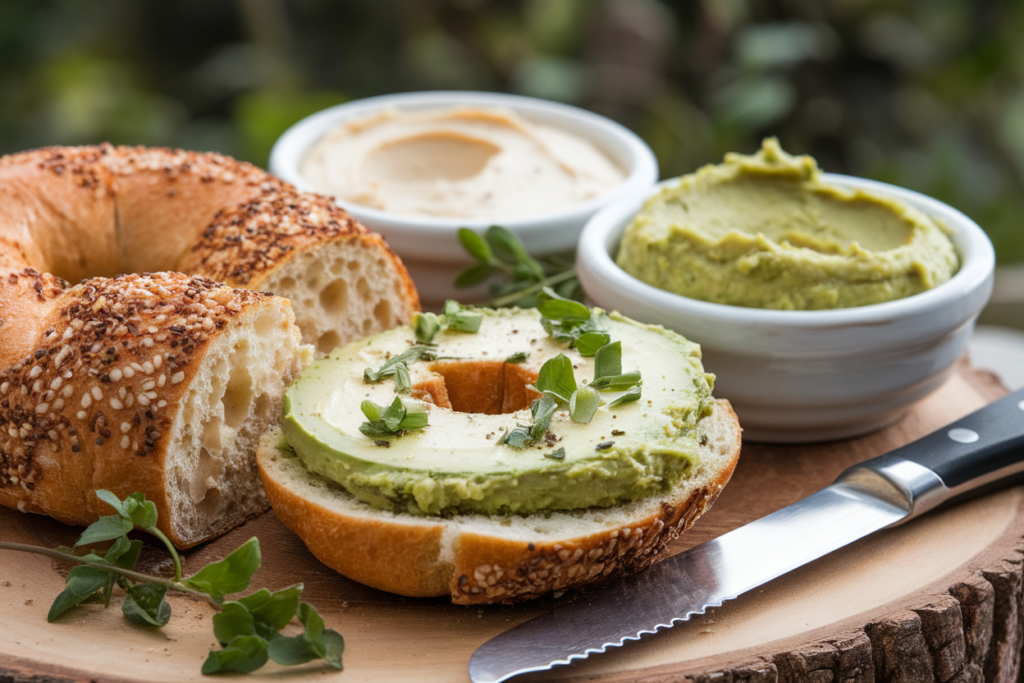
(928, 94)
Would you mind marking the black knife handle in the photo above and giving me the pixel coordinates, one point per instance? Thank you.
(981, 451)
(975, 447)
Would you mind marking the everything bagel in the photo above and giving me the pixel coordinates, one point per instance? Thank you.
(162, 380)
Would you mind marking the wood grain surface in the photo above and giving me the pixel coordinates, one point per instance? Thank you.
(939, 599)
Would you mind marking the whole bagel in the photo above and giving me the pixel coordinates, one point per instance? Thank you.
(162, 380)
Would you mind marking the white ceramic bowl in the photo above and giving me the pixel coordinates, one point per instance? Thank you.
(801, 376)
(429, 246)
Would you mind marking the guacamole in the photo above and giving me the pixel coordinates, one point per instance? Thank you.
(476, 389)
(766, 231)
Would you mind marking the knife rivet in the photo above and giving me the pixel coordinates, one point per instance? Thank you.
(1021, 405)
(963, 435)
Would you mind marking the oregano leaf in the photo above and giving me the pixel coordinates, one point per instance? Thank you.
(230, 575)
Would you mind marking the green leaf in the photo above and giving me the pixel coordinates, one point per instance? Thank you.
(557, 454)
(475, 244)
(556, 376)
(105, 529)
(632, 395)
(145, 605)
(271, 612)
(608, 361)
(232, 621)
(425, 326)
(371, 410)
(230, 575)
(466, 321)
(542, 409)
(394, 414)
(81, 582)
(517, 438)
(110, 499)
(388, 368)
(470, 276)
(519, 357)
(590, 342)
(244, 654)
(291, 650)
(584, 404)
(140, 511)
(415, 418)
(616, 382)
(403, 383)
(563, 309)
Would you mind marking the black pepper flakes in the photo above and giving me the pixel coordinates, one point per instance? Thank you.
(604, 445)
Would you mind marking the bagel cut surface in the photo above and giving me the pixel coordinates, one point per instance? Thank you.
(462, 460)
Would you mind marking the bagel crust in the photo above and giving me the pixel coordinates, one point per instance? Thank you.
(161, 380)
(476, 559)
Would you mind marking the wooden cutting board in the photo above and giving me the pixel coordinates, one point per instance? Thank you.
(937, 599)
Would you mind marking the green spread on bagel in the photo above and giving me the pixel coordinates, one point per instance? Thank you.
(458, 463)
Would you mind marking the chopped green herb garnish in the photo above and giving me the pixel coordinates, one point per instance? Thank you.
(425, 327)
(393, 420)
(388, 368)
(457, 317)
(518, 357)
(556, 376)
(608, 361)
(631, 395)
(584, 404)
(403, 383)
(557, 454)
(617, 382)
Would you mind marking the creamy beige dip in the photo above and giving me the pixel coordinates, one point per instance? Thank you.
(458, 162)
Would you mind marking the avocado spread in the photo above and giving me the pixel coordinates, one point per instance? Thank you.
(477, 389)
(766, 231)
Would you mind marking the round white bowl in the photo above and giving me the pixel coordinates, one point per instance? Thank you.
(429, 246)
(803, 376)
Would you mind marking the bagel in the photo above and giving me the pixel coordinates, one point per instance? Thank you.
(162, 379)
(459, 511)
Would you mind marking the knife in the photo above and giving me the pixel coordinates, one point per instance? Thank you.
(977, 453)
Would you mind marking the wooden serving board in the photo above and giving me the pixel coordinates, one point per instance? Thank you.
(937, 599)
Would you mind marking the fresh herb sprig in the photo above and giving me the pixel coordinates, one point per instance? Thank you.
(391, 366)
(394, 420)
(454, 316)
(520, 278)
(248, 629)
(571, 322)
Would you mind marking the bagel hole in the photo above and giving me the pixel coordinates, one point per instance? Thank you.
(334, 297)
(480, 386)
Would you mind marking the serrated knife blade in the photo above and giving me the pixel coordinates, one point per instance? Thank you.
(984, 448)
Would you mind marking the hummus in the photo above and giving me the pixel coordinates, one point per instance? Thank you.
(765, 231)
(463, 163)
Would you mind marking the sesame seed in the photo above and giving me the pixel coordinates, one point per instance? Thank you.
(148, 342)
(126, 427)
(125, 441)
(158, 360)
(67, 334)
(151, 395)
(152, 329)
(97, 394)
(178, 377)
(143, 400)
(58, 404)
(62, 355)
(80, 414)
(37, 386)
(149, 384)
(67, 391)
(42, 408)
(148, 368)
(5, 387)
(55, 384)
(115, 375)
(136, 367)
(86, 400)
(161, 380)
(161, 404)
(116, 404)
(129, 400)
(122, 392)
(35, 371)
(129, 372)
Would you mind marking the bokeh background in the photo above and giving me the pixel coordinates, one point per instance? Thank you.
(928, 94)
